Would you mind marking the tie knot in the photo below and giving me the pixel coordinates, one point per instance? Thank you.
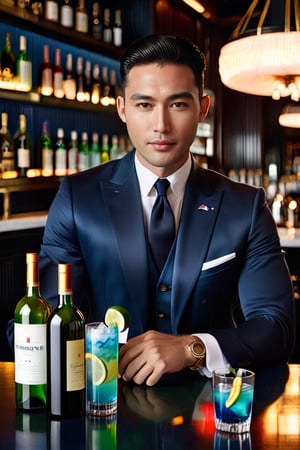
(162, 185)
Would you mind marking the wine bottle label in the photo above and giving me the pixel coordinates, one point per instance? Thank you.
(25, 76)
(58, 89)
(117, 36)
(60, 161)
(23, 157)
(107, 35)
(47, 160)
(70, 89)
(47, 84)
(66, 16)
(7, 156)
(83, 161)
(75, 365)
(30, 354)
(95, 159)
(73, 160)
(51, 12)
(82, 24)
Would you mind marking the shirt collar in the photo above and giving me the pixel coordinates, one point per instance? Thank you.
(177, 179)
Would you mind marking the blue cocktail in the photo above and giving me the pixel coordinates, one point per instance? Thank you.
(237, 417)
(101, 369)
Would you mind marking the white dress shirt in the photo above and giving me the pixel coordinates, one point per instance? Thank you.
(214, 356)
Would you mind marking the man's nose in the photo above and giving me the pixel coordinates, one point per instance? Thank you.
(161, 120)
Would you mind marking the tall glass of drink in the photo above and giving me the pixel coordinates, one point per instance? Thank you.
(101, 369)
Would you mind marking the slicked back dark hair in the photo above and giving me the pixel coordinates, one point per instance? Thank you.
(163, 49)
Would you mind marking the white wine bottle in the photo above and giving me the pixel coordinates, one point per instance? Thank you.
(65, 352)
(23, 148)
(30, 317)
(7, 154)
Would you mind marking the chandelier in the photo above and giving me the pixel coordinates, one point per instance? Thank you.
(264, 60)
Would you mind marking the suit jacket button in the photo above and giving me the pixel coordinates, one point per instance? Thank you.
(163, 288)
(161, 315)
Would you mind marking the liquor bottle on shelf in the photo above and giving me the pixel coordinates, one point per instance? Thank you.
(73, 153)
(58, 76)
(97, 31)
(37, 8)
(23, 67)
(69, 83)
(80, 82)
(87, 80)
(7, 61)
(113, 87)
(46, 84)
(24, 4)
(117, 29)
(105, 94)
(115, 149)
(95, 157)
(84, 153)
(46, 150)
(81, 18)
(105, 153)
(96, 85)
(65, 352)
(107, 31)
(60, 154)
(22, 146)
(51, 10)
(30, 346)
(7, 153)
(67, 15)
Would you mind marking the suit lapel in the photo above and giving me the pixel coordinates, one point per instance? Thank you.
(199, 213)
(122, 198)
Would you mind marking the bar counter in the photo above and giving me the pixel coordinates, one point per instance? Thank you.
(177, 414)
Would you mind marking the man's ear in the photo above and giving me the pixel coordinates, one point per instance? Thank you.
(204, 107)
(121, 108)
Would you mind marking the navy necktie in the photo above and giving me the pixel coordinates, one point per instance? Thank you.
(162, 224)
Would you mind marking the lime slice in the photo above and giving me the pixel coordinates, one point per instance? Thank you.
(117, 316)
(95, 369)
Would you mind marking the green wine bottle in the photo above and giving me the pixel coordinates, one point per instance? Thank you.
(30, 346)
(65, 352)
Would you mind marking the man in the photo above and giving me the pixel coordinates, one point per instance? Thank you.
(225, 247)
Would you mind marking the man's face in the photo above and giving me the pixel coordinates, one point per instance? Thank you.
(161, 109)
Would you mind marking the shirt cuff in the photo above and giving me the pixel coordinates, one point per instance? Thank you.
(214, 356)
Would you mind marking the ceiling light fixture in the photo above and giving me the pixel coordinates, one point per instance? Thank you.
(290, 116)
(195, 5)
(264, 61)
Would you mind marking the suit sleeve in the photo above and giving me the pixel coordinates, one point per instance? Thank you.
(266, 335)
(60, 245)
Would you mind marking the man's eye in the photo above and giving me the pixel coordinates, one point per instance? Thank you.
(179, 105)
(143, 105)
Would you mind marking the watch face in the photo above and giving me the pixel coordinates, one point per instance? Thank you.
(198, 348)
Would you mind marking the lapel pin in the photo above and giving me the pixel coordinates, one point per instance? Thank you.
(205, 208)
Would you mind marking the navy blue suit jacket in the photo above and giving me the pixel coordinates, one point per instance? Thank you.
(227, 247)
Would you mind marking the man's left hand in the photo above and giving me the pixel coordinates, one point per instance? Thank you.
(147, 357)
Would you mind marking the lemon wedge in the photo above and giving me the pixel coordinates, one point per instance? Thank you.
(117, 316)
(234, 391)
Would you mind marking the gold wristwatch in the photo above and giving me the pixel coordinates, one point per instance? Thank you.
(198, 350)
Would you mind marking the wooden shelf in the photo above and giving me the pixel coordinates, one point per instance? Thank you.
(22, 185)
(22, 18)
(35, 97)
